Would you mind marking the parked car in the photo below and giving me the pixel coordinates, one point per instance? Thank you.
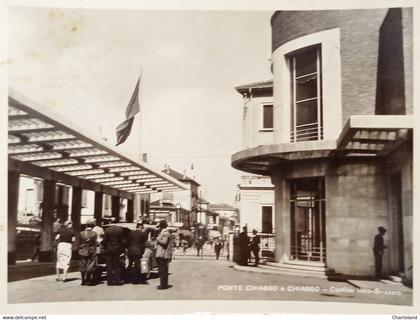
(148, 260)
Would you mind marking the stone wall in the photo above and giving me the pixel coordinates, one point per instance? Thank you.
(356, 205)
(356, 197)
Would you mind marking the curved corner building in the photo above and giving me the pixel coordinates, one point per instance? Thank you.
(339, 148)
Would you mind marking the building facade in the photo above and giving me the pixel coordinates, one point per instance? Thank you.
(185, 202)
(340, 154)
(256, 203)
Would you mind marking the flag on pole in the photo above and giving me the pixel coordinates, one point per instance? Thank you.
(124, 129)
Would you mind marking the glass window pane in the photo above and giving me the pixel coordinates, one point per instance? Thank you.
(306, 62)
(306, 87)
(306, 112)
(268, 117)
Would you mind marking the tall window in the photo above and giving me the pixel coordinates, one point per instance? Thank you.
(306, 93)
(267, 117)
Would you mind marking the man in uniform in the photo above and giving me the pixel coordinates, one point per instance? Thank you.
(87, 253)
(114, 244)
(218, 245)
(135, 249)
(378, 251)
(254, 246)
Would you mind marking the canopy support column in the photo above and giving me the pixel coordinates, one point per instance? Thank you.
(13, 198)
(46, 253)
(98, 207)
(115, 207)
(130, 210)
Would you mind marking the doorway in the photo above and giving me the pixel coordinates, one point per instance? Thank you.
(307, 210)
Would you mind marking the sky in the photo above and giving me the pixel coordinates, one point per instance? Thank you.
(84, 64)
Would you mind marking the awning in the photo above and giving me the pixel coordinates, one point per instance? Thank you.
(44, 145)
(374, 135)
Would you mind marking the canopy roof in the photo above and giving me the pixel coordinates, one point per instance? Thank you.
(41, 144)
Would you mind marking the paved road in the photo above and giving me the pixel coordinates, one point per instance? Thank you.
(204, 280)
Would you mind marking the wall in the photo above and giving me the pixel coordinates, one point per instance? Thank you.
(254, 193)
(359, 32)
(252, 135)
(395, 63)
(401, 162)
(356, 204)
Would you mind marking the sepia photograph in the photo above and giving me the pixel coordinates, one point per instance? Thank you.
(199, 154)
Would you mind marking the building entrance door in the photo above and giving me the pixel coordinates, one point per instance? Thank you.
(307, 210)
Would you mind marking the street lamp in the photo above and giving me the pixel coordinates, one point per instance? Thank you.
(178, 208)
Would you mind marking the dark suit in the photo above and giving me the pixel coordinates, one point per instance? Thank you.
(243, 242)
(114, 244)
(378, 251)
(87, 255)
(164, 248)
(135, 249)
(254, 247)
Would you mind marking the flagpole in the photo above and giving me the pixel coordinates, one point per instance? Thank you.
(140, 113)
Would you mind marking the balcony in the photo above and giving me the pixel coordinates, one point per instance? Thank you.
(362, 136)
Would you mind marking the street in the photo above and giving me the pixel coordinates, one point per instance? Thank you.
(209, 280)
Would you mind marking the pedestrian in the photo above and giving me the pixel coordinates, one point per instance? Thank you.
(87, 253)
(114, 245)
(135, 250)
(99, 236)
(164, 248)
(218, 246)
(65, 239)
(57, 226)
(37, 247)
(199, 245)
(184, 244)
(243, 241)
(254, 246)
(378, 251)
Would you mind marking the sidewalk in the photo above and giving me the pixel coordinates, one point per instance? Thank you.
(205, 280)
(28, 269)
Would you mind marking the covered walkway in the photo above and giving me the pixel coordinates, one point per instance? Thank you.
(45, 146)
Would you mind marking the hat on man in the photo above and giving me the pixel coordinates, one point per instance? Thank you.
(91, 222)
(163, 224)
(381, 229)
(68, 223)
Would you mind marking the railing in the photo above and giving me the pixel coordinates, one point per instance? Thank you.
(267, 246)
(308, 252)
(206, 252)
(305, 132)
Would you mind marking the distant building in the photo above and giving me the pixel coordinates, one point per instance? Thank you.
(184, 203)
(226, 217)
(256, 203)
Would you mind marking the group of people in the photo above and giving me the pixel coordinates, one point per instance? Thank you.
(112, 243)
(245, 245)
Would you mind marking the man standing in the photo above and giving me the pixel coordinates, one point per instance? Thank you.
(114, 245)
(254, 246)
(243, 241)
(164, 250)
(378, 251)
(87, 253)
(135, 249)
(100, 236)
(199, 245)
(218, 245)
